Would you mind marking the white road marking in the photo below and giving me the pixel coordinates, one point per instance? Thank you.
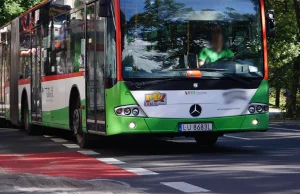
(140, 171)
(185, 187)
(110, 161)
(48, 136)
(58, 140)
(285, 129)
(234, 137)
(88, 152)
(71, 145)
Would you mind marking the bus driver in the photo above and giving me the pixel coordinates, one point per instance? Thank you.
(210, 55)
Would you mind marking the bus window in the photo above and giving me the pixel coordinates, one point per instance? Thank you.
(110, 50)
(24, 55)
(60, 43)
(74, 40)
(163, 39)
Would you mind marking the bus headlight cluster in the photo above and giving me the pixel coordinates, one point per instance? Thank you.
(127, 111)
(258, 108)
(135, 111)
(131, 110)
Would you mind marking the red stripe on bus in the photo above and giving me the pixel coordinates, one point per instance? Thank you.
(264, 32)
(6, 84)
(24, 81)
(63, 76)
(118, 39)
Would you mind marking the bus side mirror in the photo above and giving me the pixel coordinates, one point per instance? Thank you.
(105, 8)
(270, 21)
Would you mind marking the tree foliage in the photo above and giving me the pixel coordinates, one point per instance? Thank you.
(284, 49)
(10, 9)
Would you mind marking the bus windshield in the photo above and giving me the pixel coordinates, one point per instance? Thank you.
(167, 38)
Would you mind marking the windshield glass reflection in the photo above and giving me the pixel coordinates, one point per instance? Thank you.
(165, 38)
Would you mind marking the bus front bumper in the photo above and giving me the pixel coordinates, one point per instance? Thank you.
(222, 125)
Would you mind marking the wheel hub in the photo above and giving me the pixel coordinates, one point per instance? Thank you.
(76, 122)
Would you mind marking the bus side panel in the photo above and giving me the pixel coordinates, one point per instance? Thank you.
(56, 98)
(14, 75)
(53, 98)
(7, 73)
(1, 81)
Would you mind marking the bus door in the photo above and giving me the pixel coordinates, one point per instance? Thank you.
(95, 69)
(6, 80)
(1, 82)
(36, 95)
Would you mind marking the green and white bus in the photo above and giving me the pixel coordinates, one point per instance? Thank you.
(156, 67)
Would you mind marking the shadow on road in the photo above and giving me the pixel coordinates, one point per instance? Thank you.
(141, 145)
(131, 145)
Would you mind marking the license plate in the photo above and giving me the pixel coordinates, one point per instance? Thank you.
(195, 127)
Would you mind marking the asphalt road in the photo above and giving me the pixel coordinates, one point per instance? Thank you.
(239, 163)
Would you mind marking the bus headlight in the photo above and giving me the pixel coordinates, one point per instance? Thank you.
(119, 111)
(132, 125)
(127, 111)
(256, 108)
(251, 109)
(135, 112)
(130, 111)
(255, 122)
(266, 108)
(259, 109)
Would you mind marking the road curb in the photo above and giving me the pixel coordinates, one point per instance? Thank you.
(284, 122)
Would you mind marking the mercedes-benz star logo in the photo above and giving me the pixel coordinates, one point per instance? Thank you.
(195, 85)
(195, 110)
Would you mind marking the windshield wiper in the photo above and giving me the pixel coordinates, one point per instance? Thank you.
(150, 83)
(227, 75)
(199, 69)
(225, 59)
(185, 69)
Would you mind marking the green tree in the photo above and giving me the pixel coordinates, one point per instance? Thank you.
(284, 50)
(10, 9)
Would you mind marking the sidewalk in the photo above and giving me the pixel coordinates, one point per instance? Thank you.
(275, 112)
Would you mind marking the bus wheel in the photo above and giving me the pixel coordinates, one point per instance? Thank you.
(27, 126)
(81, 137)
(206, 140)
(3, 123)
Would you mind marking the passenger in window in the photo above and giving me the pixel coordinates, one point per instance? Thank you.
(60, 66)
(211, 55)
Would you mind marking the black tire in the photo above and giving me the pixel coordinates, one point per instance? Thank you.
(206, 139)
(26, 124)
(3, 123)
(82, 138)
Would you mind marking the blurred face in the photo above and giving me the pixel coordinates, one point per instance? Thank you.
(217, 42)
